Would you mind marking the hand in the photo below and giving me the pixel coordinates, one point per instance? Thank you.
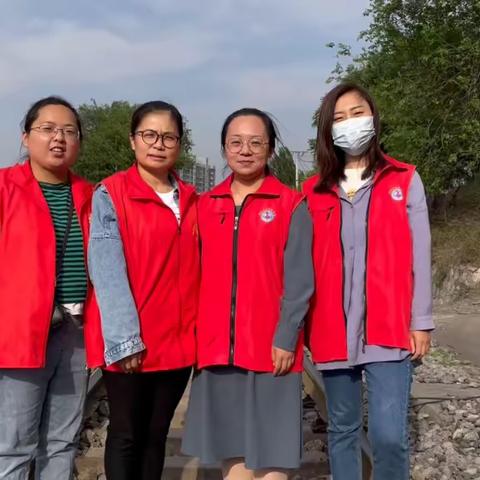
(131, 363)
(420, 343)
(282, 361)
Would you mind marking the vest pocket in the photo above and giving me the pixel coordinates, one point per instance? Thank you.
(322, 213)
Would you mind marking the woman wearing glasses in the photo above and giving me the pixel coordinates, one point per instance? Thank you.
(257, 277)
(44, 217)
(144, 264)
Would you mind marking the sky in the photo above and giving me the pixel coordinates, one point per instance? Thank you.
(208, 57)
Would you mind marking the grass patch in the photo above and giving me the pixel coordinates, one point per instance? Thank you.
(443, 356)
(456, 237)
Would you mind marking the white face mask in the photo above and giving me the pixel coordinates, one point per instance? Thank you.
(353, 135)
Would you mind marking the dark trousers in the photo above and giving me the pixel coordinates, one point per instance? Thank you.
(141, 409)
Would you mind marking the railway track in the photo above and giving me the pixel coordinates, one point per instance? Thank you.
(179, 467)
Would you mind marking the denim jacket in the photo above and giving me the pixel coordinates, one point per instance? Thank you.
(108, 273)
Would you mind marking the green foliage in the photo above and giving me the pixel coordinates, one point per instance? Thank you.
(283, 167)
(306, 175)
(106, 147)
(455, 235)
(422, 65)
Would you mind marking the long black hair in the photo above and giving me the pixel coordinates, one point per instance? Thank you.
(330, 158)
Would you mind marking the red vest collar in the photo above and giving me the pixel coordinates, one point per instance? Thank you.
(138, 189)
(22, 175)
(390, 163)
(270, 186)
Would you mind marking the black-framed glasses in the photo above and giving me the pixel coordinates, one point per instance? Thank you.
(255, 145)
(70, 133)
(150, 137)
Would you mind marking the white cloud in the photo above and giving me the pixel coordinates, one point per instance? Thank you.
(207, 56)
(158, 36)
(267, 15)
(69, 54)
(293, 85)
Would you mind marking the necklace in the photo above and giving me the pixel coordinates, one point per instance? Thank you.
(353, 181)
(351, 193)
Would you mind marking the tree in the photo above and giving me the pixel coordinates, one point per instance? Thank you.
(422, 65)
(283, 167)
(106, 148)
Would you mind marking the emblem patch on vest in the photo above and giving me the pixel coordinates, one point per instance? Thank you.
(267, 215)
(396, 194)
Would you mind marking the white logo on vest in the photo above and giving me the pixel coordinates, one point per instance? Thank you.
(267, 215)
(397, 194)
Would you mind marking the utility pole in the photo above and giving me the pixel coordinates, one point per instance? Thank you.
(207, 176)
(297, 156)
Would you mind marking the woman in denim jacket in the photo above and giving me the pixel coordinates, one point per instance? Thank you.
(143, 261)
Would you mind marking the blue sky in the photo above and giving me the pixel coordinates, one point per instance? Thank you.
(208, 57)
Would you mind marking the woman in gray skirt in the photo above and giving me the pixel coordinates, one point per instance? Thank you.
(245, 406)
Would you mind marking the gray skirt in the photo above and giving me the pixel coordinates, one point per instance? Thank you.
(238, 413)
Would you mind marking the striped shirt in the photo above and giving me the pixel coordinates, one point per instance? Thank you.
(72, 283)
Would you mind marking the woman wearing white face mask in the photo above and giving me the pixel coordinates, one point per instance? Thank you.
(371, 312)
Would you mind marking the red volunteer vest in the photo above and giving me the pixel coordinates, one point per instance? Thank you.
(389, 282)
(236, 324)
(27, 256)
(162, 260)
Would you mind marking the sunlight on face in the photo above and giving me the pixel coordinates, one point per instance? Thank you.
(246, 146)
(50, 142)
(163, 153)
(351, 105)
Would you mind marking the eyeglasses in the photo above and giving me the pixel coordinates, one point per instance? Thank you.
(150, 137)
(70, 133)
(255, 145)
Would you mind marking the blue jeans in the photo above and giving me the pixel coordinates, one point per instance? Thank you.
(41, 410)
(388, 389)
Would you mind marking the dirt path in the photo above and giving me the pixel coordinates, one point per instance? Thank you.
(461, 332)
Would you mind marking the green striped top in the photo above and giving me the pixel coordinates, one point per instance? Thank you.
(72, 283)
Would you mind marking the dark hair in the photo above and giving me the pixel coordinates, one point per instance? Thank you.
(270, 127)
(156, 106)
(330, 158)
(34, 110)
